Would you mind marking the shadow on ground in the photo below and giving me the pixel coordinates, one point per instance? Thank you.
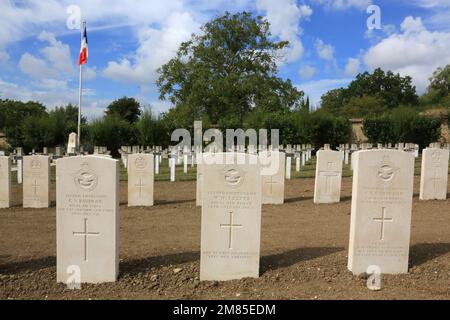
(28, 265)
(289, 258)
(145, 264)
(424, 252)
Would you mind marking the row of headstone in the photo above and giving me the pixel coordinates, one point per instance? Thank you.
(88, 209)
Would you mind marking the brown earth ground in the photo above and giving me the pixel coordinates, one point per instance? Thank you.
(303, 251)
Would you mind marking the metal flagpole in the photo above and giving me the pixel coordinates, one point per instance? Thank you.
(80, 92)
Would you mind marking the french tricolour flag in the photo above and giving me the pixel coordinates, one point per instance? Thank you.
(82, 59)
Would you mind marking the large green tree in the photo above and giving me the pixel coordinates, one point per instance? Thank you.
(227, 72)
(128, 109)
(371, 93)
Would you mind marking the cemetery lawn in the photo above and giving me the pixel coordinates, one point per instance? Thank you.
(303, 251)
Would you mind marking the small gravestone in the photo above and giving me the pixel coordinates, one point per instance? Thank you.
(231, 219)
(87, 218)
(327, 188)
(72, 143)
(5, 182)
(172, 167)
(434, 174)
(140, 179)
(273, 181)
(381, 211)
(36, 181)
(288, 166)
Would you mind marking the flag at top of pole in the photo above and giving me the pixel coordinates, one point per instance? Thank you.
(82, 59)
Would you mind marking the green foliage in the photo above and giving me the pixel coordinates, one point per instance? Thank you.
(333, 101)
(402, 125)
(151, 130)
(370, 94)
(13, 113)
(112, 132)
(125, 108)
(359, 107)
(226, 73)
(325, 128)
(438, 92)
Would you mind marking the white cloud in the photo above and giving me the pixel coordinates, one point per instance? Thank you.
(35, 67)
(324, 51)
(156, 47)
(344, 4)
(4, 57)
(53, 95)
(411, 24)
(307, 72)
(416, 52)
(352, 67)
(284, 17)
(315, 89)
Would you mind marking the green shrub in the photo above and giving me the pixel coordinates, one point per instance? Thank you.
(402, 125)
(111, 132)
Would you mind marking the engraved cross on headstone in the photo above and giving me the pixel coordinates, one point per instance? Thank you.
(86, 234)
(435, 179)
(230, 226)
(328, 175)
(35, 185)
(271, 183)
(383, 219)
(140, 185)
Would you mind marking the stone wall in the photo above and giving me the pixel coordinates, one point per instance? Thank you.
(3, 144)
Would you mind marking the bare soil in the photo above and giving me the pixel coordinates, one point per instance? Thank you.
(303, 251)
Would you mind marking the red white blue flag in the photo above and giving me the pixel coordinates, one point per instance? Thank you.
(82, 59)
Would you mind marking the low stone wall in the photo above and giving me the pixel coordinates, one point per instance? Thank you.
(3, 144)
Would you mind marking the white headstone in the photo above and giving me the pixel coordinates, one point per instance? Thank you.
(434, 174)
(346, 156)
(19, 169)
(273, 184)
(172, 167)
(185, 163)
(36, 181)
(327, 188)
(381, 211)
(72, 143)
(297, 163)
(231, 219)
(288, 167)
(157, 162)
(87, 218)
(140, 179)
(5, 182)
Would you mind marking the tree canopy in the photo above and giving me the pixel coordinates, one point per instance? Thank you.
(227, 72)
(128, 109)
(383, 91)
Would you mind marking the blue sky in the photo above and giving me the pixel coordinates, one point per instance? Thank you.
(130, 39)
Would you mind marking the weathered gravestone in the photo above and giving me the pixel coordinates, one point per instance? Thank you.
(87, 218)
(231, 219)
(140, 179)
(72, 143)
(288, 166)
(5, 182)
(327, 188)
(272, 182)
(381, 211)
(434, 174)
(36, 181)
